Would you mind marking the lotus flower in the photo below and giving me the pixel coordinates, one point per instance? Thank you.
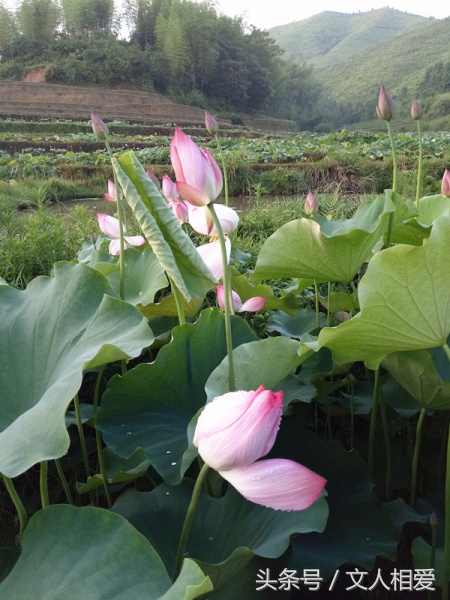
(198, 177)
(98, 127)
(110, 195)
(385, 106)
(445, 185)
(212, 256)
(311, 204)
(238, 428)
(169, 189)
(252, 305)
(211, 124)
(110, 227)
(416, 110)
(153, 178)
(170, 193)
(199, 219)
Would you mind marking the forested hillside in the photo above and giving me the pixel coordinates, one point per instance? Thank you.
(175, 47)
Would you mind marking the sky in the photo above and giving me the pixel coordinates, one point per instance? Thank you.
(265, 14)
(269, 13)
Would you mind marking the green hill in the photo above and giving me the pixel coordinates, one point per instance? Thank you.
(332, 37)
(409, 54)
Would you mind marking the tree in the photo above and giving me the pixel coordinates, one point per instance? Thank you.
(38, 20)
(8, 31)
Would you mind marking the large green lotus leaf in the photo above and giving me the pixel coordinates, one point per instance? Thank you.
(56, 329)
(153, 404)
(405, 303)
(405, 228)
(221, 525)
(168, 308)
(324, 250)
(304, 321)
(144, 275)
(263, 362)
(173, 247)
(421, 554)
(246, 290)
(358, 528)
(92, 554)
(433, 207)
(417, 373)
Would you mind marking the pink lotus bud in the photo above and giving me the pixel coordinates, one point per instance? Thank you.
(169, 189)
(445, 185)
(198, 177)
(211, 124)
(311, 204)
(153, 178)
(433, 519)
(180, 210)
(237, 428)
(416, 110)
(385, 106)
(98, 127)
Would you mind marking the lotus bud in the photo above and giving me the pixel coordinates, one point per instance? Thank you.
(416, 110)
(433, 519)
(385, 106)
(153, 178)
(445, 185)
(311, 204)
(98, 127)
(169, 189)
(211, 124)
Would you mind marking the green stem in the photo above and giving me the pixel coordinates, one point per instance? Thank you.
(224, 170)
(415, 460)
(64, 483)
(188, 520)
(178, 301)
(433, 524)
(373, 420)
(121, 229)
(98, 440)
(352, 413)
(387, 446)
(43, 484)
(446, 565)
(227, 295)
(316, 289)
(394, 182)
(21, 512)
(82, 441)
(329, 303)
(419, 170)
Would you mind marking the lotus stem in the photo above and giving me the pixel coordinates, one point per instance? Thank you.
(43, 484)
(82, 441)
(415, 460)
(189, 519)
(419, 169)
(316, 290)
(227, 295)
(64, 482)
(21, 512)
(387, 445)
(373, 419)
(98, 440)
(329, 304)
(352, 413)
(178, 301)
(394, 182)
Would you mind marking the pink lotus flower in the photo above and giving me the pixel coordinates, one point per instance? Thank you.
(169, 189)
(198, 177)
(110, 227)
(238, 428)
(385, 106)
(170, 193)
(311, 204)
(98, 127)
(212, 256)
(200, 220)
(110, 195)
(445, 185)
(252, 305)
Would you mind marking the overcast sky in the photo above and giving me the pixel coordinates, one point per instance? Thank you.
(268, 13)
